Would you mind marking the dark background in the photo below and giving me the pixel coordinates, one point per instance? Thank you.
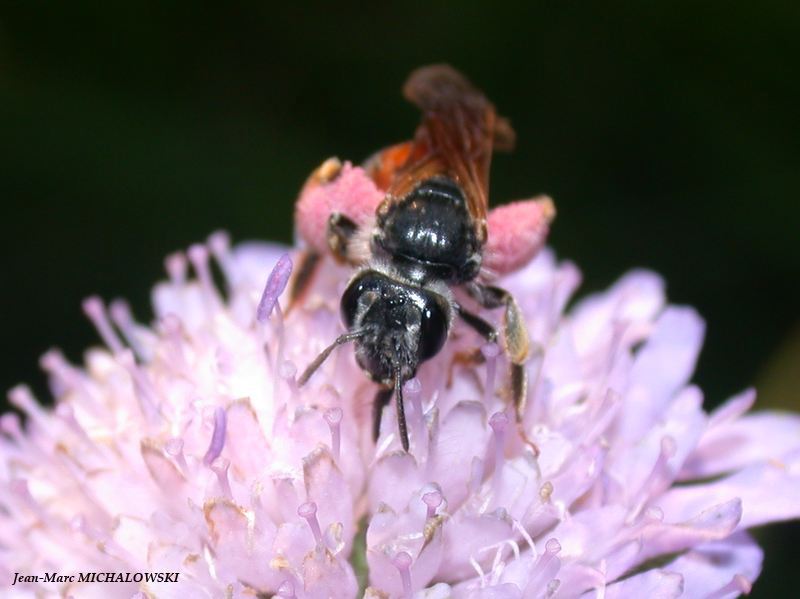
(666, 132)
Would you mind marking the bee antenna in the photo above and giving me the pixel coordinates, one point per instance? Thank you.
(401, 412)
(340, 340)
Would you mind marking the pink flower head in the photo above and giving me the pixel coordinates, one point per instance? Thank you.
(187, 446)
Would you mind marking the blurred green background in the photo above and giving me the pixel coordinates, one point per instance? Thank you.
(667, 132)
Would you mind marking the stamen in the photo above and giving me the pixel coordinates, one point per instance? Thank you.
(286, 590)
(476, 475)
(546, 565)
(198, 256)
(276, 283)
(331, 395)
(93, 308)
(80, 524)
(217, 437)
(514, 547)
(333, 416)
(63, 376)
(144, 391)
(497, 563)
(654, 514)
(490, 352)
(172, 328)
(67, 414)
(602, 416)
(551, 588)
(22, 397)
(122, 317)
(287, 372)
(738, 585)
(110, 546)
(516, 524)
(219, 242)
(602, 577)
(658, 478)
(10, 424)
(477, 567)
(432, 431)
(413, 391)
(402, 561)
(176, 267)
(11, 427)
(19, 487)
(174, 449)
(551, 548)
(220, 467)
(308, 511)
(433, 500)
(277, 362)
(546, 491)
(171, 325)
(499, 423)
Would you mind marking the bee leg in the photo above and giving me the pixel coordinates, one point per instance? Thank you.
(515, 337)
(382, 399)
(474, 357)
(477, 324)
(340, 231)
(515, 332)
(468, 359)
(304, 275)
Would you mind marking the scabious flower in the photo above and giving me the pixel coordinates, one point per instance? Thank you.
(187, 446)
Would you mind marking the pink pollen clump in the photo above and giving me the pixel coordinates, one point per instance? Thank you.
(351, 192)
(517, 231)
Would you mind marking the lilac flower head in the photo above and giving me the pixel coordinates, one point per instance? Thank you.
(187, 446)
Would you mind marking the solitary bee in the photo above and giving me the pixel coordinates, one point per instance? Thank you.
(422, 232)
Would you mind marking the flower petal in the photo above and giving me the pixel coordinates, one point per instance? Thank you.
(709, 567)
(732, 445)
(769, 492)
(654, 584)
(661, 367)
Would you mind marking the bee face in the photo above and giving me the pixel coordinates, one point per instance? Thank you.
(402, 324)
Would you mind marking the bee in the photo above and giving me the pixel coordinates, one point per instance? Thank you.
(426, 237)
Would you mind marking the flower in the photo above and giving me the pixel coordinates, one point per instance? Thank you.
(187, 447)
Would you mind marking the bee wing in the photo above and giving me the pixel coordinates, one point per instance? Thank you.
(458, 131)
(383, 165)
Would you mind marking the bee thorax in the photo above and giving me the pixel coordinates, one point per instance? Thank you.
(431, 228)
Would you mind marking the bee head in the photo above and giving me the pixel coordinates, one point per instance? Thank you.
(401, 325)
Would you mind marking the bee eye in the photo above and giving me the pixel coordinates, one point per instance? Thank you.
(367, 282)
(349, 303)
(433, 330)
